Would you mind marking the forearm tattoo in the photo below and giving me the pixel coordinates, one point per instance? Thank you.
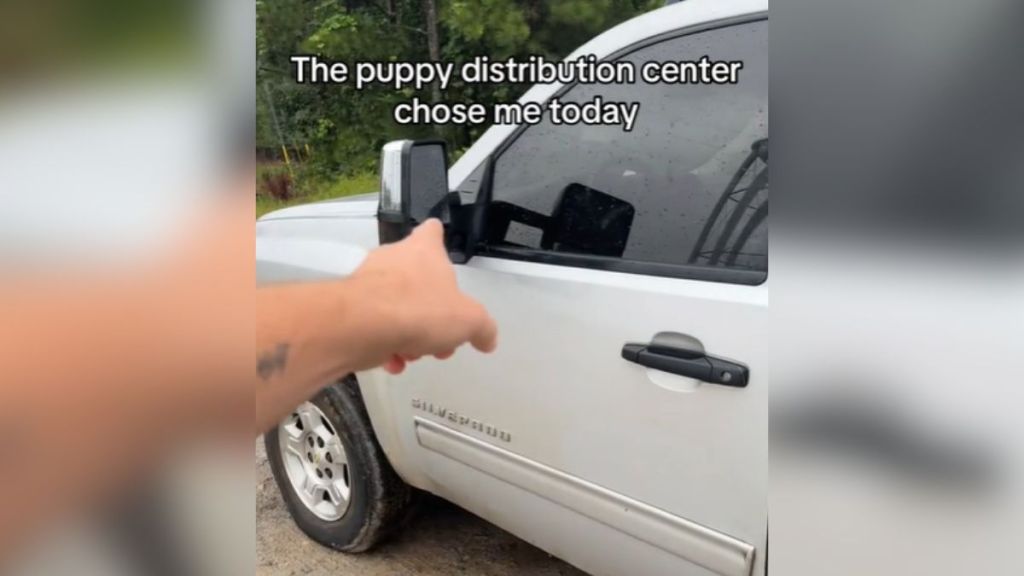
(272, 361)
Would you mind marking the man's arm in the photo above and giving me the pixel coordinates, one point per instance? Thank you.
(401, 304)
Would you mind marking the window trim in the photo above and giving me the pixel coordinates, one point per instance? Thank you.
(681, 271)
(609, 264)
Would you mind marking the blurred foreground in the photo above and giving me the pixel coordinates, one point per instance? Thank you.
(897, 288)
(125, 147)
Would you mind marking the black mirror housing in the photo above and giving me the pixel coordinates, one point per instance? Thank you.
(414, 187)
(413, 181)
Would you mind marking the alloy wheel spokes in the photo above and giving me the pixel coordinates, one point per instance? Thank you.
(316, 462)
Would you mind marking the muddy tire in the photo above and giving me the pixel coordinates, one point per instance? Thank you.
(335, 480)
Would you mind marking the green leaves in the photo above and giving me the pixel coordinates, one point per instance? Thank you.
(344, 127)
(332, 26)
(498, 27)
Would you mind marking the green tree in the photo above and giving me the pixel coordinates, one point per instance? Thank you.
(344, 127)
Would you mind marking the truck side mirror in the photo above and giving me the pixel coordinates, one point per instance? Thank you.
(413, 183)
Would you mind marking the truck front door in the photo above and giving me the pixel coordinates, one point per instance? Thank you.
(618, 466)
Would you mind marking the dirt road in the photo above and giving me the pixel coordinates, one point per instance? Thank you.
(441, 540)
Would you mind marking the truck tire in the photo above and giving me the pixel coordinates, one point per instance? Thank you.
(335, 480)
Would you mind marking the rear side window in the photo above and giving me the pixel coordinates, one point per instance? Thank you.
(687, 187)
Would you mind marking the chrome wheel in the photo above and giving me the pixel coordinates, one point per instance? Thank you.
(315, 462)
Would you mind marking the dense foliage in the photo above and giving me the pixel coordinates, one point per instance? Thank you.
(336, 129)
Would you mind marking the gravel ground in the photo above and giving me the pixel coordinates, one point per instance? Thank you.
(442, 540)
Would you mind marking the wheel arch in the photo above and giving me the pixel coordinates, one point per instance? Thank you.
(387, 417)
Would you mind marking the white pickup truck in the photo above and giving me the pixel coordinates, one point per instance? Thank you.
(622, 425)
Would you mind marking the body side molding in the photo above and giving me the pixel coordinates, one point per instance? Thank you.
(693, 542)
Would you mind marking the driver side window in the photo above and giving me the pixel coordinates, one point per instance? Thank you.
(687, 187)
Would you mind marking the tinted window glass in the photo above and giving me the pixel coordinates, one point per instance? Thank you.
(689, 184)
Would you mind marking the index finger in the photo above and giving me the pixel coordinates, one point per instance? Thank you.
(431, 228)
(485, 338)
(429, 236)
